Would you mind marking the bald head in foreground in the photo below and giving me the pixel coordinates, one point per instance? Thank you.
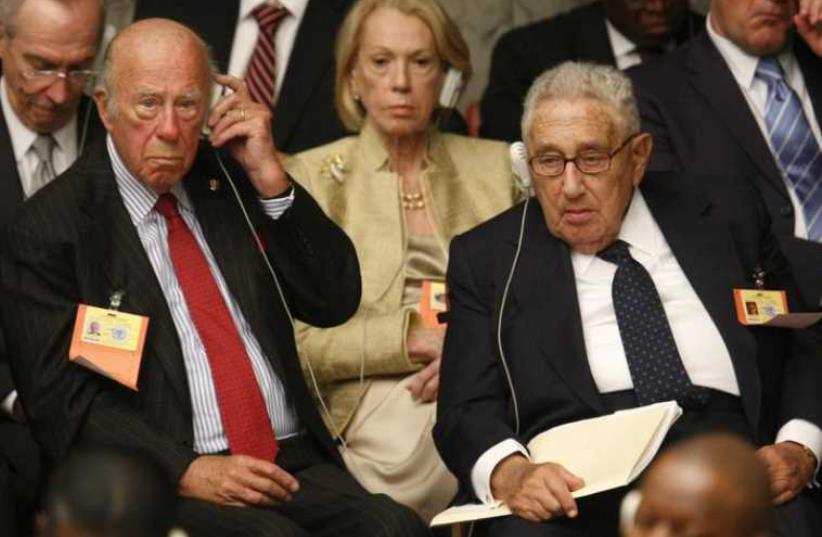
(711, 486)
(153, 217)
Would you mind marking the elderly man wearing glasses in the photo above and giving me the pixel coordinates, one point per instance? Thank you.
(621, 295)
(46, 48)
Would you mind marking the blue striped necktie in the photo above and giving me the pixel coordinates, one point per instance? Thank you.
(792, 139)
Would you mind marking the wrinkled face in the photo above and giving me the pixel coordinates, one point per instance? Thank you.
(161, 97)
(397, 73)
(647, 22)
(49, 36)
(585, 210)
(759, 27)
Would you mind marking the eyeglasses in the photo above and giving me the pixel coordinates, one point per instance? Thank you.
(590, 161)
(46, 77)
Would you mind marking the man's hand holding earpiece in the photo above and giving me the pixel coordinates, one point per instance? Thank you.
(244, 126)
(808, 20)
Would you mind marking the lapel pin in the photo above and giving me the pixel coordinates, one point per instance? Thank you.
(213, 185)
(116, 299)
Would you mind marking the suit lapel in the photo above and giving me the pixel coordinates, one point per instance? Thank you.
(712, 78)
(705, 251)
(552, 306)
(592, 41)
(11, 190)
(311, 58)
(127, 268)
(811, 67)
(445, 187)
(233, 247)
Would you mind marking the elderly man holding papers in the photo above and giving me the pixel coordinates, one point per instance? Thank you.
(613, 289)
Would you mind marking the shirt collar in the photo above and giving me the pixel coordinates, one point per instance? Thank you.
(138, 198)
(22, 137)
(638, 229)
(742, 64)
(295, 8)
(621, 44)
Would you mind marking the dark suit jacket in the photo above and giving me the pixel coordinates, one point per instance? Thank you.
(523, 54)
(701, 122)
(11, 194)
(305, 116)
(718, 232)
(74, 243)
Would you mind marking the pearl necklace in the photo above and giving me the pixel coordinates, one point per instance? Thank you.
(413, 201)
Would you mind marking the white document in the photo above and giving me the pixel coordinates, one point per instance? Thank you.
(608, 452)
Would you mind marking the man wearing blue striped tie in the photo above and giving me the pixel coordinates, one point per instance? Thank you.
(745, 98)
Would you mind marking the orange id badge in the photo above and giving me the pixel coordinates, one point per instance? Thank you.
(109, 342)
(758, 306)
(432, 302)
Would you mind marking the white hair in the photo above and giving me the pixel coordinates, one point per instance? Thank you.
(575, 80)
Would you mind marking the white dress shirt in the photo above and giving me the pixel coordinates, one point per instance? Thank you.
(22, 138)
(247, 31)
(625, 52)
(706, 357)
(743, 69)
(209, 435)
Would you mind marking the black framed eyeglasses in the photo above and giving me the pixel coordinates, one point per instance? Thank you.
(588, 161)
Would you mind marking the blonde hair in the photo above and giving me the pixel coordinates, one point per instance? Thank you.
(448, 43)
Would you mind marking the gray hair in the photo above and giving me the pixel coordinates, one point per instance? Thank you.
(105, 79)
(9, 8)
(574, 80)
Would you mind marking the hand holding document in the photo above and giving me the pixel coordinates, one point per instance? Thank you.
(607, 452)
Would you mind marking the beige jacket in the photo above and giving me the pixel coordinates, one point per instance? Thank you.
(466, 181)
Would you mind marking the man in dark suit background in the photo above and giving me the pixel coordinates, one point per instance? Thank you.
(621, 33)
(706, 106)
(304, 114)
(148, 220)
(46, 48)
(622, 295)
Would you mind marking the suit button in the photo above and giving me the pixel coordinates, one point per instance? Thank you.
(786, 211)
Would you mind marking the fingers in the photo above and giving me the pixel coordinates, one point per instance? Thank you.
(275, 473)
(418, 384)
(223, 108)
(544, 494)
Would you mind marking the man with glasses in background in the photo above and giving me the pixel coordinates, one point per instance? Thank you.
(622, 296)
(47, 48)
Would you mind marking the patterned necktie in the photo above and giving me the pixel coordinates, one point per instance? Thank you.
(797, 150)
(43, 147)
(242, 409)
(653, 359)
(261, 74)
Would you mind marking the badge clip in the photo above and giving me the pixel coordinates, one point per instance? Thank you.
(759, 278)
(116, 299)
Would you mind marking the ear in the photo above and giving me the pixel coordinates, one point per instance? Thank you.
(641, 147)
(101, 98)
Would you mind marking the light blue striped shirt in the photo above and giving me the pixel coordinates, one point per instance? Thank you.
(209, 436)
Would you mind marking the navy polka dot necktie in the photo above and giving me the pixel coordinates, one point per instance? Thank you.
(653, 359)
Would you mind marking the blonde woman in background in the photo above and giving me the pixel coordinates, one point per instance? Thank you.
(401, 190)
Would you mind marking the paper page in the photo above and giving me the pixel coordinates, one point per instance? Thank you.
(603, 451)
(793, 320)
(468, 512)
(673, 413)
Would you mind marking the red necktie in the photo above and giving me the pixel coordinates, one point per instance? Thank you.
(245, 420)
(262, 69)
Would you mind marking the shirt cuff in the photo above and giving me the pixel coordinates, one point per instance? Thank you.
(8, 403)
(275, 207)
(807, 434)
(484, 467)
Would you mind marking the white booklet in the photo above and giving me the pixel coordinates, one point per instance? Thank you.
(608, 452)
